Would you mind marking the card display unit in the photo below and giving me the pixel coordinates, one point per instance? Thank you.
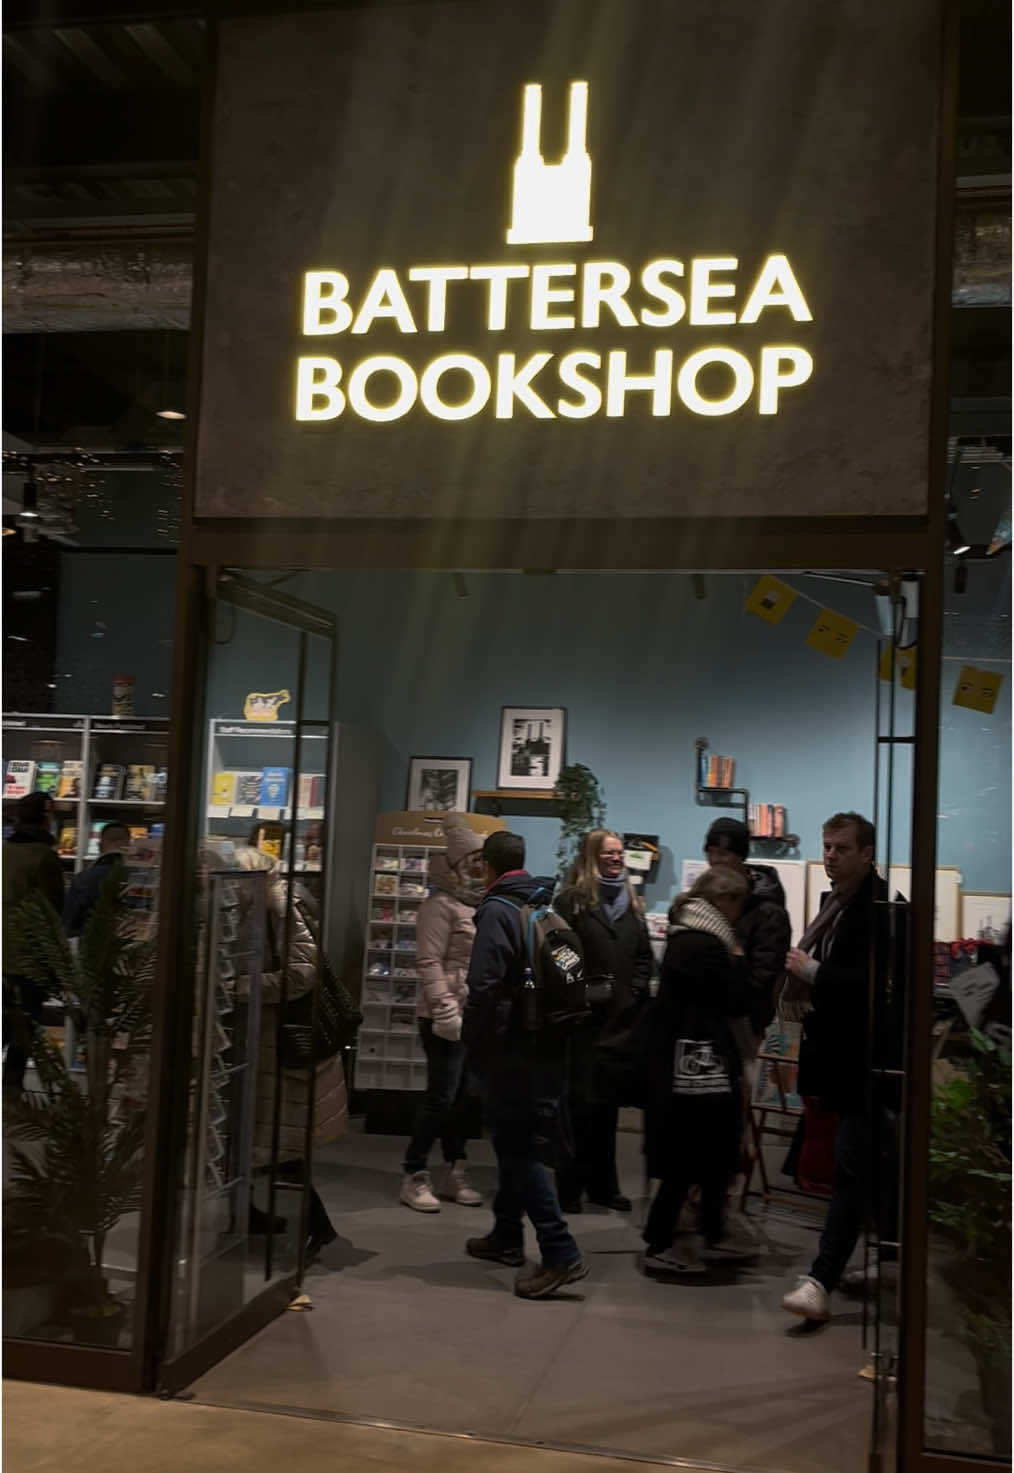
(249, 779)
(226, 1037)
(95, 768)
(390, 1053)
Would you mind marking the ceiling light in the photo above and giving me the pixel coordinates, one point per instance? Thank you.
(29, 502)
(955, 541)
(169, 414)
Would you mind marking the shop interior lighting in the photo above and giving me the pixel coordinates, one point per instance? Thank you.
(958, 544)
(169, 414)
(29, 502)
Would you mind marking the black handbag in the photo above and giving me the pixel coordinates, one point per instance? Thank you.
(338, 1018)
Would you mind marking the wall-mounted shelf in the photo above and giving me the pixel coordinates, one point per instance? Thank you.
(516, 800)
(770, 844)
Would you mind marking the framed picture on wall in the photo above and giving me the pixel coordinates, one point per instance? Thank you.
(531, 747)
(439, 784)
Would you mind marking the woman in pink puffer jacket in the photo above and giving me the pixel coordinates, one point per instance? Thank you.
(444, 936)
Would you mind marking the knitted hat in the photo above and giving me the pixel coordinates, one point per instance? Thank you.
(729, 833)
(459, 838)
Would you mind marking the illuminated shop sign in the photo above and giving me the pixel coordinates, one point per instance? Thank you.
(707, 297)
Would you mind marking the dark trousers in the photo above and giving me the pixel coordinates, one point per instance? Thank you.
(525, 1187)
(23, 1000)
(444, 1106)
(593, 1166)
(697, 1143)
(847, 1209)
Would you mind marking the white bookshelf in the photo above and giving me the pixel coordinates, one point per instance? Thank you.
(389, 1050)
(247, 747)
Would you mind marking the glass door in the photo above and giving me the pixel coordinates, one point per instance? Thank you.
(243, 1210)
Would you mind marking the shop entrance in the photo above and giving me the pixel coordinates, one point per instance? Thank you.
(654, 683)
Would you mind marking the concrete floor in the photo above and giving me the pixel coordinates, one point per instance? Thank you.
(407, 1329)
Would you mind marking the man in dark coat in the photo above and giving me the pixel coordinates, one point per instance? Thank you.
(31, 866)
(521, 1075)
(114, 841)
(828, 986)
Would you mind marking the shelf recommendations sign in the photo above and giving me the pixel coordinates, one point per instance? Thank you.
(527, 264)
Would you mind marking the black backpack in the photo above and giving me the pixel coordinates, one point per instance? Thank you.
(555, 994)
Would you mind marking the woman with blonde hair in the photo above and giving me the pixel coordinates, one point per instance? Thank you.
(692, 1126)
(602, 907)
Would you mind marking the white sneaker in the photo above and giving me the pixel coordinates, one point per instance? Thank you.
(682, 1258)
(808, 1299)
(456, 1188)
(417, 1193)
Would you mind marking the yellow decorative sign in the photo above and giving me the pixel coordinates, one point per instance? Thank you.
(832, 634)
(977, 689)
(260, 706)
(771, 599)
(904, 664)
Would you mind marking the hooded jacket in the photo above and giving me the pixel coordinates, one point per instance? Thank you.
(492, 1016)
(445, 932)
(765, 935)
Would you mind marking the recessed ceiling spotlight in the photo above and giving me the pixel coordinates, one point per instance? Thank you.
(170, 414)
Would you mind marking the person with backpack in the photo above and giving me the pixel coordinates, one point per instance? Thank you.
(691, 1068)
(525, 964)
(605, 912)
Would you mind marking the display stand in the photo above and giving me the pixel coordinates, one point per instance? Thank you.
(243, 750)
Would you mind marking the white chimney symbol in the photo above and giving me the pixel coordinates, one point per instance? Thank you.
(552, 202)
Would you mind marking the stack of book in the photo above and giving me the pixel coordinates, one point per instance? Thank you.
(768, 820)
(270, 787)
(716, 772)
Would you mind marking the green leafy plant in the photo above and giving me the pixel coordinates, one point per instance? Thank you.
(582, 806)
(76, 1147)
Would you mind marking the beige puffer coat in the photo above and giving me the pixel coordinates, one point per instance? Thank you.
(331, 1114)
(445, 932)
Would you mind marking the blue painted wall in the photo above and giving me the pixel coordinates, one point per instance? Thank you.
(642, 666)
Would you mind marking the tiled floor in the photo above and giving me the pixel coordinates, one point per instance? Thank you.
(407, 1329)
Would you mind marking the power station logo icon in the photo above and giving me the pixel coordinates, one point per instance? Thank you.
(552, 202)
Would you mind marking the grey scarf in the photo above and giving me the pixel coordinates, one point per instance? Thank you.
(793, 999)
(701, 915)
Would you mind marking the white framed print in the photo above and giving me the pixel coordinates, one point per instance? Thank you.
(984, 917)
(531, 747)
(439, 784)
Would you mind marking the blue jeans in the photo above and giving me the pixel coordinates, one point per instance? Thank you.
(441, 1111)
(524, 1183)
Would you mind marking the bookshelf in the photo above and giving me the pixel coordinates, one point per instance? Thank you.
(239, 793)
(120, 742)
(708, 796)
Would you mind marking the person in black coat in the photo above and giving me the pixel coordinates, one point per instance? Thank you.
(81, 899)
(827, 988)
(600, 904)
(691, 1062)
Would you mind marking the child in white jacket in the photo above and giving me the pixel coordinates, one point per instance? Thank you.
(444, 936)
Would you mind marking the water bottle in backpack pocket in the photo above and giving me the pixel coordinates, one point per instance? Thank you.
(554, 991)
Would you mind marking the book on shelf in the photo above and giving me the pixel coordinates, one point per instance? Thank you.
(223, 789)
(138, 830)
(137, 782)
(717, 771)
(47, 777)
(66, 845)
(768, 820)
(275, 784)
(19, 779)
(94, 835)
(69, 785)
(109, 781)
(311, 790)
(157, 784)
(248, 789)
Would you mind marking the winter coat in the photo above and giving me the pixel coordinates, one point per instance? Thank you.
(833, 1066)
(84, 893)
(445, 932)
(330, 1113)
(515, 1068)
(701, 986)
(765, 934)
(31, 865)
(620, 949)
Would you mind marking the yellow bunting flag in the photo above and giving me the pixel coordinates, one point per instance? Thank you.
(771, 599)
(977, 689)
(904, 664)
(832, 634)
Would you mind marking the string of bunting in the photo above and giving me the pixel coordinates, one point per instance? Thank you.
(832, 635)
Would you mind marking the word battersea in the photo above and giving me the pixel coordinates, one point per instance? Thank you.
(553, 297)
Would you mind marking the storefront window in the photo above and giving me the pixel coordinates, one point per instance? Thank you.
(968, 1346)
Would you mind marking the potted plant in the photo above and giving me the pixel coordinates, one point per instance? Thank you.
(970, 1203)
(581, 805)
(76, 1148)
